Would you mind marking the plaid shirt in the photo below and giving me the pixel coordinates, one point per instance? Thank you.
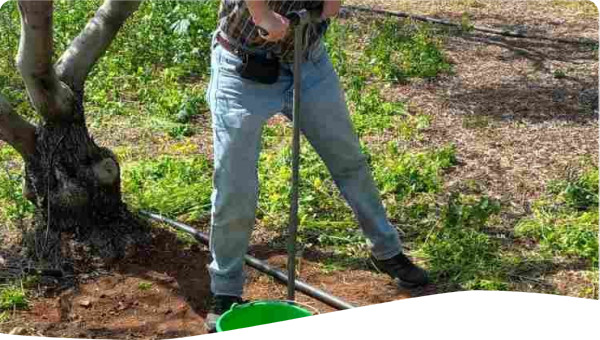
(236, 23)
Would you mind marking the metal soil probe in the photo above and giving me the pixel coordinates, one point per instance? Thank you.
(299, 20)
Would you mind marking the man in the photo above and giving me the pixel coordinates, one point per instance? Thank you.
(247, 87)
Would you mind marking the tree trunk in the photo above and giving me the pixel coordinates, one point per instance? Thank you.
(74, 184)
(76, 187)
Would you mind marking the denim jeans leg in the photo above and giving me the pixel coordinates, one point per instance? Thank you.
(239, 110)
(325, 121)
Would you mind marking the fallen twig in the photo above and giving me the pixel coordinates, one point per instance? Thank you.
(476, 28)
(531, 279)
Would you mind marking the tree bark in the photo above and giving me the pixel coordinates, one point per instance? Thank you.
(15, 130)
(50, 98)
(77, 191)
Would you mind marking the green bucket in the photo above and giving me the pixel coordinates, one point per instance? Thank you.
(259, 313)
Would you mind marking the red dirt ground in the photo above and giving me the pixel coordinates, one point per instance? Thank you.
(115, 306)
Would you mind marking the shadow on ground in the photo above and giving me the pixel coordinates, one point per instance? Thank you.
(560, 83)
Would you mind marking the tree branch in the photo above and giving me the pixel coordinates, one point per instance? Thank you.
(77, 61)
(15, 130)
(50, 98)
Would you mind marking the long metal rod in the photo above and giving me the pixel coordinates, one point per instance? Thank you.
(293, 219)
(259, 265)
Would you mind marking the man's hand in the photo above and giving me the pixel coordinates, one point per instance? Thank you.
(275, 24)
(331, 8)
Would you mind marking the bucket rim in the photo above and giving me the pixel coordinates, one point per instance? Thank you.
(291, 303)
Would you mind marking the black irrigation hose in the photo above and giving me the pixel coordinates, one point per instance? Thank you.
(476, 28)
(259, 265)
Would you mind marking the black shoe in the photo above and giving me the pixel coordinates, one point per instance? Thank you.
(402, 269)
(219, 304)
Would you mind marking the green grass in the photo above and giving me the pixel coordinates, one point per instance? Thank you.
(12, 297)
(325, 218)
(4, 316)
(566, 222)
(458, 251)
(559, 74)
(15, 207)
(169, 185)
(393, 51)
(144, 286)
(404, 173)
(398, 52)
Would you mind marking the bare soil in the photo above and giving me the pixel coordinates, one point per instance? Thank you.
(162, 292)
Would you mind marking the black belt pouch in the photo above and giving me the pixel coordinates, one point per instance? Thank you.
(259, 68)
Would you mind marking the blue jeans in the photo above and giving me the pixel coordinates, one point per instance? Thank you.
(240, 108)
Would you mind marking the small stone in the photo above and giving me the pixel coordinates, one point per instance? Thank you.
(85, 303)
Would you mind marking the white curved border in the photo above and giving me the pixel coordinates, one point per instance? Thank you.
(461, 315)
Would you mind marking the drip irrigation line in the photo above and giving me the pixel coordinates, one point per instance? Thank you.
(476, 28)
(259, 265)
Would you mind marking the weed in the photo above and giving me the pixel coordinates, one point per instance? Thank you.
(16, 208)
(563, 233)
(12, 297)
(144, 286)
(319, 197)
(457, 251)
(566, 222)
(582, 193)
(31, 281)
(398, 53)
(4, 316)
(334, 40)
(466, 24)
(372, 114)
(171, 186)
(402, 173)
(559, 74)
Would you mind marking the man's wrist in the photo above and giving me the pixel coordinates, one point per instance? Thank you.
(331, 8)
